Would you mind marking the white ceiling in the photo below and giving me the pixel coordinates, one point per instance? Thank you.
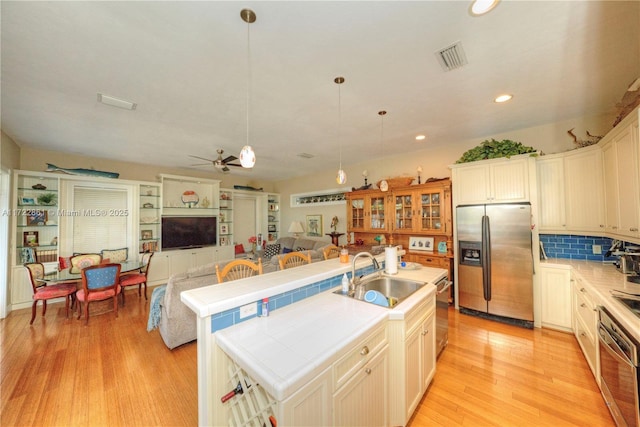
(185, 65)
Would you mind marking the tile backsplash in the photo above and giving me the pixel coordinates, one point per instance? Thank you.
(575, 247)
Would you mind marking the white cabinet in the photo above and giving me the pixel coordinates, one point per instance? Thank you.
(555, 288)
(621, 180)
(584, 190)
(492, 181)
(308, 406)
(364, 400)
(167, 263)
(420, 362)
(585, 323)
(551, 195)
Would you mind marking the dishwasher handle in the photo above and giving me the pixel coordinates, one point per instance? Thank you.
(445, 287)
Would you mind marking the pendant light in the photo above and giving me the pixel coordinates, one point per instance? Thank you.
(247, 156)
(341, 178)
(383, 184)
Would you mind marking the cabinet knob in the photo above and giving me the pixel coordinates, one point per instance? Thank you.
(583, 305)
(364, 351)
(368, 371)
(425, 332)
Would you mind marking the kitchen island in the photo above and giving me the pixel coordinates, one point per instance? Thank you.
(316, 345)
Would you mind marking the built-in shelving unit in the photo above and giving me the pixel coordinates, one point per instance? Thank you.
(183, 195)
(273, 217)
(149, 219)
(225, 223)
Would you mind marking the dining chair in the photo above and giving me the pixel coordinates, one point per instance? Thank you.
(42, 291)
(137, 278)
(99, 282)
(81, 261)
(238, 269)
(331, 251)
(294, 259)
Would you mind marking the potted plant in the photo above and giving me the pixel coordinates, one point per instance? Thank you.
(495, 149)
(47, 199)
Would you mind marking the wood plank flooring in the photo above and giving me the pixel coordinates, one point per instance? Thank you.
(59, 372)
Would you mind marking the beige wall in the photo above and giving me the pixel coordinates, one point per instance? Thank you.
(550, 138)
(36, 160)
(9, 152)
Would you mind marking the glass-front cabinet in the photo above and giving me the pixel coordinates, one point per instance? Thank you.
(404, 211)
(431, 211)
(366, 211)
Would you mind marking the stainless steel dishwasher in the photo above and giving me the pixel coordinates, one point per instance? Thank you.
(442, 314)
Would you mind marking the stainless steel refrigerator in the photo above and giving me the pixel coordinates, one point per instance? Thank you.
(495, 262)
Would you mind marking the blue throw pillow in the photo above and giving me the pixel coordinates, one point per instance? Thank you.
(286, 250)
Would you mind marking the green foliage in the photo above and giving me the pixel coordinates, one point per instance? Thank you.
(495, 149)
(47, 199)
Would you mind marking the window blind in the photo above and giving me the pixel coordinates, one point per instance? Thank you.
(99, 220)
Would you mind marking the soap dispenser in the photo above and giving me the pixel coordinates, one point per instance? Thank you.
(345, 284)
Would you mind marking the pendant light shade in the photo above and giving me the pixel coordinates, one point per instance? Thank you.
(341, 177)
(247, 155)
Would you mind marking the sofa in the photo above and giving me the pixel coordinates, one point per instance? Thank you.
(293, 244)
(177, 323)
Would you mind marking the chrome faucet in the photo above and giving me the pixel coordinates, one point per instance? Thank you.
(355, 281)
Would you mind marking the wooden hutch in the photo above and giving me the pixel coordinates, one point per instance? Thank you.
(421, 210)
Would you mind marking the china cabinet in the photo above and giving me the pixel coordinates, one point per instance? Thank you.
(367, 211)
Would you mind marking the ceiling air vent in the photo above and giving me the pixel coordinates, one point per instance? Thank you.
(306, 155)
(452, 57)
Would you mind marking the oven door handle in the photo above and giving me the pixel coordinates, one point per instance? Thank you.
(612, 347)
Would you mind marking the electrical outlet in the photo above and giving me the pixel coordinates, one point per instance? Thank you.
(596, 249)
(249, 310)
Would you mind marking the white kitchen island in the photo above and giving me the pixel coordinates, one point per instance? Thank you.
(308, 355)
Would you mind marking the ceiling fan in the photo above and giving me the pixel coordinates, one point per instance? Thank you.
(219, 163)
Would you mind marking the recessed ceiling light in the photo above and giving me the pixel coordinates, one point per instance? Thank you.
(503, 98)
(420, 137)
(480, 7)
(116, 102)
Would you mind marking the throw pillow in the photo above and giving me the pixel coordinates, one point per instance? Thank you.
(301, 249)
(115, 255)
(286, 250)
(239, 248)
(271, 250)
(64, 262)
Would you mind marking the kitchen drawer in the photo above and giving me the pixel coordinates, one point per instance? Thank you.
(588, 343)
(413, 318)
(429, 260)
(358, 356)
(586, 311)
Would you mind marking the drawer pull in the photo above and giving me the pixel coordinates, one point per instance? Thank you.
(583, 305)
(582, 290)
(582, 334)
(364, 351)
(424, 333)
(368, 371)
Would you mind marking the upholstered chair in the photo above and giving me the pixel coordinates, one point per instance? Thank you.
(43, 291)
(99, 282)
(137, 278)
(81, 261)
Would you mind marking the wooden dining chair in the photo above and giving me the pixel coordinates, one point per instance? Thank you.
(137, 277)
(42, 291)
(331, 251)
(99, 282)
(81, 261)
(238, 269)
(294, 259)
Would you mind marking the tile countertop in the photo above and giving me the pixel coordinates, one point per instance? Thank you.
(603, 278)
(286, 350)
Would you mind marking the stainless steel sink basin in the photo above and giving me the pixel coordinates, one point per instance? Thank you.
(395, 290)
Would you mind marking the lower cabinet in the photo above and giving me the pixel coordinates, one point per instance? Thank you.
(363, 400)
(585, 324)
(165, 264)
(308, 406)
(555, 288)
(420, 365)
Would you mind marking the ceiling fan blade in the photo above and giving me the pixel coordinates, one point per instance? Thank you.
(233, 164)
(230, 159)
(225, 169)
(201, 158)
(201, 164)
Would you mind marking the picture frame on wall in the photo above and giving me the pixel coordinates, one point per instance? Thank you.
(314, 225)
(421, 244)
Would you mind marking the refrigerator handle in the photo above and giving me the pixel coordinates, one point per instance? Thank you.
(486, 258)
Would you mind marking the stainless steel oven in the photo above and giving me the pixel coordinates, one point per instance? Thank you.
(619, 374)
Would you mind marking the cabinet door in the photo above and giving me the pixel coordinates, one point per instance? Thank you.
(355, 213)
(555, 287)
(311, 405)
(583, 191)
(628, 181)
(159, 271)
(610, 188)
(376, 209)
(431, 211)
(428, 350)
(551, 199)
(364, 400)
(471, 184)
(413, 368)
(404, 211)
(510, 181)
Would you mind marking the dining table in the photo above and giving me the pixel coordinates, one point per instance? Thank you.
(72, 274)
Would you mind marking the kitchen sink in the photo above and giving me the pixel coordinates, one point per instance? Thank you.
(395, 290)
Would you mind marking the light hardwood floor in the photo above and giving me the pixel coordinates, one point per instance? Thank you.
(113, 372)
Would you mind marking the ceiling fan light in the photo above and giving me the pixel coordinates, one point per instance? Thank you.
(341, 178)
(247, 157)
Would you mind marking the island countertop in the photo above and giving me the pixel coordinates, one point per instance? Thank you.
(293, 345)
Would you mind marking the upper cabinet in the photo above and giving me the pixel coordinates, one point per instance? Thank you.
(182, 195)
(367, 211)
(570, 191)
(492, 181)
(621, 152)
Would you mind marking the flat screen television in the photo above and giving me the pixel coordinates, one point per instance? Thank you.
(184, 232)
